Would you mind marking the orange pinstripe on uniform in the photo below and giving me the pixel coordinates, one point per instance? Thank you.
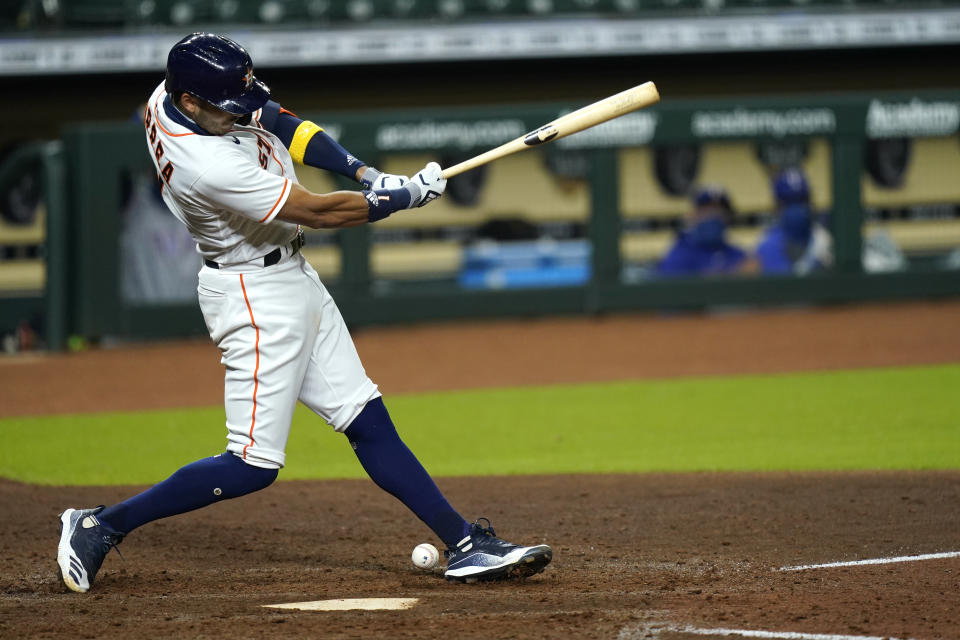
(285, 183)
(256, 369)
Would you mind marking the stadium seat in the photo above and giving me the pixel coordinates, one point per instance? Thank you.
(97, 13)
(94, 14)
(182, 13)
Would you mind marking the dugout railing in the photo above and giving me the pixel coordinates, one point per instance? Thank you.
(88, 176)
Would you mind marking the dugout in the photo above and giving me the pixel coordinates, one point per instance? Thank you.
(602, 188)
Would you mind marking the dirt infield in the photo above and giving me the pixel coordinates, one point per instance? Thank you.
(631, 551)
(636, 556)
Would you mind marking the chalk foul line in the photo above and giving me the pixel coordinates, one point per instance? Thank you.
(755, 633)
(857, 563)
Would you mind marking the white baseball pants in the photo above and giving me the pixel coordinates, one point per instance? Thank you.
(281, 339)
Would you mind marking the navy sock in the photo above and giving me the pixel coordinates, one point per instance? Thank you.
(391, 465)
(196, 485)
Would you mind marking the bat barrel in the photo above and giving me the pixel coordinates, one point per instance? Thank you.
(637, 97)
(599, 112)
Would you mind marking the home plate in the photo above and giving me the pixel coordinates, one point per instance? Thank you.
(347, 604)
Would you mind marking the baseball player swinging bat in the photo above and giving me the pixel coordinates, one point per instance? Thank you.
(591, 115)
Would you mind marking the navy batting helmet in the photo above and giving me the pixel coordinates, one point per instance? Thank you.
(216, 69)
(790, 187)
(712, 195)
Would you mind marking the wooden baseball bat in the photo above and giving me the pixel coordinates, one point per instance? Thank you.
(591, 115)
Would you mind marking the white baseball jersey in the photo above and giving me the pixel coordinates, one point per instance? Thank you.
(227, 189)
(280, 334)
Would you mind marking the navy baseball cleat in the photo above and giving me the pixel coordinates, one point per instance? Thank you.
(484, 556)
(84, 543)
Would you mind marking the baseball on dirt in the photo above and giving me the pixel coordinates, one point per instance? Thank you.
(425, 556)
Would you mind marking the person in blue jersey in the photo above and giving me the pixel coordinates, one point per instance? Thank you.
(701, 247)
(796, 242)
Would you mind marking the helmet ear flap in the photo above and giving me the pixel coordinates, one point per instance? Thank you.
(174, 93)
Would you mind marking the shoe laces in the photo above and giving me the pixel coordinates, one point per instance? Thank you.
(109, 538)
(110, 541)
(478, 529)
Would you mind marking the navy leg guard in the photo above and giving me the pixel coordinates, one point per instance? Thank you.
(391, 465)
(196, 485)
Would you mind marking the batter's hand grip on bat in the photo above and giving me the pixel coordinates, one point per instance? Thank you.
(591, 115)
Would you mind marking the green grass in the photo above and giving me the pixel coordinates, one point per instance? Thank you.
(871, 419)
